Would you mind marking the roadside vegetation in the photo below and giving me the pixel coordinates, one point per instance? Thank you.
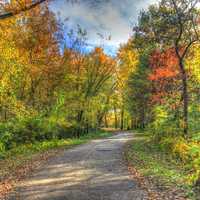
(22, 160)
(54, 91)
(51, 88)
(162, 92)
(166, 175)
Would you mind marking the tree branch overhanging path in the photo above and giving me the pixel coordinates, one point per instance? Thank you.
(26, 8)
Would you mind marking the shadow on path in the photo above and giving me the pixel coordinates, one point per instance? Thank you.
(93, 171)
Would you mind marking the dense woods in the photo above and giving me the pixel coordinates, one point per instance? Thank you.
(51, 86)
(163, 90)
(48, 91)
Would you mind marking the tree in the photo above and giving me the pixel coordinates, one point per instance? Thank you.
(164, 74)
(172, 24)
(99, 72)
(128, 60)
(38, 43)
(139, 92)
(89, 83)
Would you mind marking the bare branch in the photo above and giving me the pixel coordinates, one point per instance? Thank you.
(187, 48)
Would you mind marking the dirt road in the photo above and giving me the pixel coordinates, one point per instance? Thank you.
(93, 171)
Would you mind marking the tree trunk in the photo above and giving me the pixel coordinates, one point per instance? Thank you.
(132, 123)
(116, 120)
(122, 119)
(185, 97)
(105, 121)
(142, 117)
(79, 120)
(5, 115)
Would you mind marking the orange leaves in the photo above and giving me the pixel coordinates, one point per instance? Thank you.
(100, 55)
(98, 50)
(106, 63)
(164, 75)
(164, 65)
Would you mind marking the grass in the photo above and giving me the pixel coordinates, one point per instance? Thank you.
(23, 154)
(157, 165)
(51, 144)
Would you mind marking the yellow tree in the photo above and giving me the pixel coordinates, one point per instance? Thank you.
(128, 60)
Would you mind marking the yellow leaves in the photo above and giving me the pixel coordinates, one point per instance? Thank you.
(6, 46)
(189, 154)
(181, 149)
(193, 62)
(128, 61)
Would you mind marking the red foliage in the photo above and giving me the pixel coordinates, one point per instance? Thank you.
(164, 65)
(164, 73)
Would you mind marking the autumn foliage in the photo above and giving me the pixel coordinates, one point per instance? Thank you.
(47, 89)
(53, 87)
(164, 73)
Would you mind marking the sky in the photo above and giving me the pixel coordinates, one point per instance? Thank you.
(108, 22)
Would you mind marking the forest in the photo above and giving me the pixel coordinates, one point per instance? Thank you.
(53, 88)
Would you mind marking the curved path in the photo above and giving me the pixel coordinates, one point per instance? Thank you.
(93, 171)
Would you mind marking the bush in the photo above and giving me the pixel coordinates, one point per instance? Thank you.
(187, 152)
(32, 129)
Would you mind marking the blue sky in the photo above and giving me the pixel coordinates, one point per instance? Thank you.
(111, 19)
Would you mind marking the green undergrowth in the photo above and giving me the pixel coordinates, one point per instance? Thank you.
(22, 154)
(51, 144)
(158, 165)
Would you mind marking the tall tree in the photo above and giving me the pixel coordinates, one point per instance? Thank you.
(128, 60)
(172, 24)
(139, 91)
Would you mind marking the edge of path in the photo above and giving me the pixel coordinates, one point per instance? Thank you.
(139, 161)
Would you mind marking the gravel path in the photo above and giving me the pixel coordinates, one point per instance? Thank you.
(93, 171)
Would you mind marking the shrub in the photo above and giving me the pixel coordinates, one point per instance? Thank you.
(187, 151)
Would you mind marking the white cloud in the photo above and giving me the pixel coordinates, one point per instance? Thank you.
(106, 17)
